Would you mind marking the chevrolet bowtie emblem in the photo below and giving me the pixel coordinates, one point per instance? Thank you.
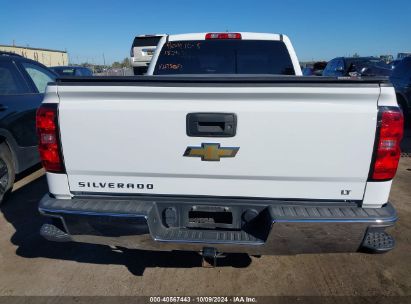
(211, 152)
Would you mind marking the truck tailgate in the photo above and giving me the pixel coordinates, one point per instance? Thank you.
(294, 141)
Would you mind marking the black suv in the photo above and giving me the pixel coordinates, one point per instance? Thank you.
(22, 85)
(401, 79)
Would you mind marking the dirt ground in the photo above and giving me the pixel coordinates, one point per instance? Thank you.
(30, 265)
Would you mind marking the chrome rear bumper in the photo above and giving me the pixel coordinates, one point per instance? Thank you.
(280, 227)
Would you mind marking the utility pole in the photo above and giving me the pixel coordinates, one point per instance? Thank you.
(104, 60)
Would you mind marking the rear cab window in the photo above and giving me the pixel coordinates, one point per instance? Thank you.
(224, 57)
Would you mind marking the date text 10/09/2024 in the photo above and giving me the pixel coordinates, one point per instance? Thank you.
(199, 299)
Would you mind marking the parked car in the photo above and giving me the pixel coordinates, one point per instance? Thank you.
(316, 69)
(142, 51)
(22, 86)
(242, 155)
(401, 79)
(72, 71)
(357, 66)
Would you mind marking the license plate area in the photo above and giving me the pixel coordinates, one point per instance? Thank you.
(219, 216)
(148, 52)
(210, 217)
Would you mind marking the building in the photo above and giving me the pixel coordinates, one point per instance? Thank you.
(45, 56)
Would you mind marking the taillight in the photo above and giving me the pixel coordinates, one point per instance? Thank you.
(387, 154)
(48, 138)
(223, 36)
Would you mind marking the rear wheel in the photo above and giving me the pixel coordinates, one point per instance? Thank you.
(7, 173)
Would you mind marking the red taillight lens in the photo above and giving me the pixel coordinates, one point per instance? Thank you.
(388, 146)
(48, 137)
(223, 36)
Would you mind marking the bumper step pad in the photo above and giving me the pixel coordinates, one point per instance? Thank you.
(206, 236)
(378, 242)
(53, 233)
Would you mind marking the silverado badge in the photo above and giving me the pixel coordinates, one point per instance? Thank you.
(211, 152)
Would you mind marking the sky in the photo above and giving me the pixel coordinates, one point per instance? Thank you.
(92, 30)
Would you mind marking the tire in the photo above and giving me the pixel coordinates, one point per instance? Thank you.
(7, 172)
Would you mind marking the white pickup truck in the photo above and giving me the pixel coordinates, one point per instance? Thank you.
(224, 148)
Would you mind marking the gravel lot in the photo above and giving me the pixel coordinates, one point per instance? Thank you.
(30, 265)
